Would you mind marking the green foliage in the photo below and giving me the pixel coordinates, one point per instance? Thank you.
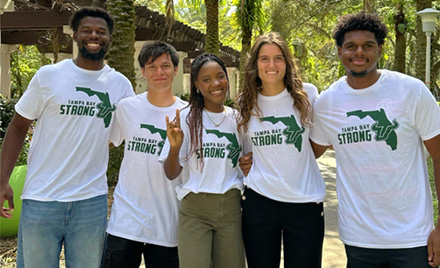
(116, 154)
(6, 114)
(432, 183)
(25, 61)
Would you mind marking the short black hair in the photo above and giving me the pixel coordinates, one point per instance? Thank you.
(153, 49)
(360, 21)
(94, 12)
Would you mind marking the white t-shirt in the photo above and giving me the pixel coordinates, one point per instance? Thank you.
(145, 207)
(382, 181)
(222, 147)
(74, 109)
(284, 166)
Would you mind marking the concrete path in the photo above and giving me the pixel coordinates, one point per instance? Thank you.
(333, 253)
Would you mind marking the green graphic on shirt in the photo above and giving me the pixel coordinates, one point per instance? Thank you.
(162, 133)
(383, 128)
(292, 132)
(105, 108)
(233, 147)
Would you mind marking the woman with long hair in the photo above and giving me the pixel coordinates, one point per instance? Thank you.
(206, 148)
(283, 199)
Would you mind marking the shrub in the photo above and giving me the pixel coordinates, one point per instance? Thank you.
(6, 113)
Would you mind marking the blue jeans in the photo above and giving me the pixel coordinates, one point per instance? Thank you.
(45, 226)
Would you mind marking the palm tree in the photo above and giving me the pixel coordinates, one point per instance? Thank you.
(121, 54)
(249, 13)
(212, 43)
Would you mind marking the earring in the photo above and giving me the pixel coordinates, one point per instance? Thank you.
(198, 92)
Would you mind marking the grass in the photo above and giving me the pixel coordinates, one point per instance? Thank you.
(432, 182)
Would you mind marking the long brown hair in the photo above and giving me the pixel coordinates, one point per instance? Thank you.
(252, 83)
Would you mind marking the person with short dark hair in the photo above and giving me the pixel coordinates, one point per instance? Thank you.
(378, 122)
(144, 214)
(65, 191)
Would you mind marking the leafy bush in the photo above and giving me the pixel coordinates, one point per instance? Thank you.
(6, 113)
(432, 182)
(114, 163)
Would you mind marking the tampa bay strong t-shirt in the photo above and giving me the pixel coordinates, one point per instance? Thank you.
(222, 146)
(74, 109)
(145, 207)
(382, 181)
(284, 166)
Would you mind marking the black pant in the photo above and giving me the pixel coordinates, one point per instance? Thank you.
(266, 221)
(124, 253)
(387, 258)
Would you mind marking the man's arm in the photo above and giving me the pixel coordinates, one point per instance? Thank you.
(11, 149)
(318, 150)
(433, 146)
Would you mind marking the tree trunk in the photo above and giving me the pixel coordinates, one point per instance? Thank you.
(247, 20)
(169, 19)
(400, 29)
(212, 44)
(421, 41)
(369, 6)
(121, 54)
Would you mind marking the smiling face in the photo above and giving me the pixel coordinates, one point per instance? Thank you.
(271, 66)
(93, 38)
(359, 54)
(212, 83)
(160, 73)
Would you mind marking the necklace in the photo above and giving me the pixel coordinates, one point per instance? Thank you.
(210, 119)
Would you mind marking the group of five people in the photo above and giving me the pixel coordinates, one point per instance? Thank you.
(199, 180)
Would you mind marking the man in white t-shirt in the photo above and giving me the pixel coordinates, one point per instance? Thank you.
(65, 191)
(377, 122)
(144, 214)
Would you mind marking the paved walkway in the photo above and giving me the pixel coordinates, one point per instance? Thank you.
(333, 253)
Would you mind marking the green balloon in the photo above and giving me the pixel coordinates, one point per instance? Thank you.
(9, 227)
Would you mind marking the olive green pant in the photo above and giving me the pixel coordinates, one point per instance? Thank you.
(210, 231)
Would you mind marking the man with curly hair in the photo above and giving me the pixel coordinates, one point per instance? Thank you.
(377, 121)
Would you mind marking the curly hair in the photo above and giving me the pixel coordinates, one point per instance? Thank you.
(252, 84)
(196, 102)
(153, 49)
(360, 21)
(94, 12)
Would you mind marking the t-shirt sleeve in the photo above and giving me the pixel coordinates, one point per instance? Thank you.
(318, 133)
(427, 118)
(116, 134)
(31, 104)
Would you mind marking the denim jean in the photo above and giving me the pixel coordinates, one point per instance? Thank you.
(46, 226)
